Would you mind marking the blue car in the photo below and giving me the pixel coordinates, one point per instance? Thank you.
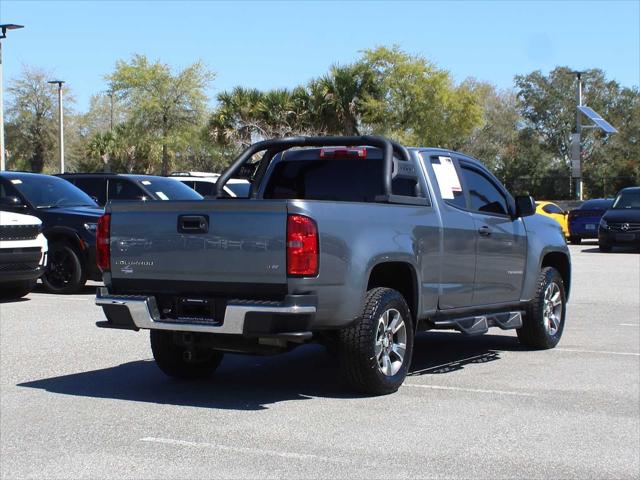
(583, 221)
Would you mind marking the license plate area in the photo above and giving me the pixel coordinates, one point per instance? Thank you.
(590, 226)
(195, 309)
(625, 237)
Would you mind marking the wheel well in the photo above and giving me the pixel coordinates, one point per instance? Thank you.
(560, 262)
(401, 277)
(64, 238)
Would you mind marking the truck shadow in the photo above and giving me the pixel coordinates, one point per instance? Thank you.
(436, 353)
(86, 290)
(13, 300)
(617, 249)
(252, 383)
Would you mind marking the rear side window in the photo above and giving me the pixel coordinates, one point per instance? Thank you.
(483, 194)
(8, 190)
(124, 190)
(342, 180)
(94, 187)
(205, 188)
(448, 182)
(551, 208)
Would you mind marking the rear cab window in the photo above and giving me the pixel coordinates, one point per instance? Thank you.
(332, 179)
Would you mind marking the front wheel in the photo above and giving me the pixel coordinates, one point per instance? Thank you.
(180, 362)
(65, 273)
(603, 247)
(543, 324)
(375, 352)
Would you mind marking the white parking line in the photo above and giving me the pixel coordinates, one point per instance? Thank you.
(629, 324)
(601, 352)
(472, 390)
(255, 451)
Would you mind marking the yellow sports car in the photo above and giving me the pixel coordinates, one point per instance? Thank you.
(551, 210)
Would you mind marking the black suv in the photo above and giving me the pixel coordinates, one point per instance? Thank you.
(620, 225)
(103, 187)
(69, 218)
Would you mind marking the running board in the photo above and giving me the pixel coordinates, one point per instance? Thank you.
(480, 324)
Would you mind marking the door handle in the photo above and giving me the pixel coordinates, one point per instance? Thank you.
(484, 231)
(193, 223)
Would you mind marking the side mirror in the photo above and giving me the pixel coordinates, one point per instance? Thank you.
(525, 206)
(11, 202)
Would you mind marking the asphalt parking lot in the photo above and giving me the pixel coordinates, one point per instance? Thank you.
(81, 402)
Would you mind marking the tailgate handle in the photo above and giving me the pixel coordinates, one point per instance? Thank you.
(193, 223)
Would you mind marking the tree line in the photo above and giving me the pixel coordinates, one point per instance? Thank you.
(152, 119)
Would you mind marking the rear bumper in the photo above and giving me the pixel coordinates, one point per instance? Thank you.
(579, 229)
(21, 275)
(293, 316)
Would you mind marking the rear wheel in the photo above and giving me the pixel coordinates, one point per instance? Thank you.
(375, 352)
(181, 362)
(65, 273)
(543, 324)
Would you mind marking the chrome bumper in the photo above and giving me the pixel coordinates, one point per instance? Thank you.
(144, 314)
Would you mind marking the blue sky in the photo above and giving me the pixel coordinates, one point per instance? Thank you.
(281, 44)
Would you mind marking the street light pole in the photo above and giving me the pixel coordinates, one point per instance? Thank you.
(579, 132)
(60, 121)
(110, 111)
(4, 28)
(576, 140)
(2, 161)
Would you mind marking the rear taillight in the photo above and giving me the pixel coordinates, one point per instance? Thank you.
(103, 238)
(302, 246)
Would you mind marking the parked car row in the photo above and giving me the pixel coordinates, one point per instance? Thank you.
(610, 221)
(64, 210)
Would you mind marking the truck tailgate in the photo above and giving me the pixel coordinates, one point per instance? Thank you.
(199, 241)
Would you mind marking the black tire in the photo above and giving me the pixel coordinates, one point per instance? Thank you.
(534, 332)
(603, 247)
(357, 345)
(175, 361)
(65, 271)
(574, 240)
(16, 290)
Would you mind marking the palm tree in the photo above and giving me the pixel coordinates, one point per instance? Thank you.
(340, 95)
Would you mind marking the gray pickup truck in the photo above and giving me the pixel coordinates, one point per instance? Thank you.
(356, 242)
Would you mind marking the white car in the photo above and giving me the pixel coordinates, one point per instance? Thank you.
(205, 184)
(23, 253)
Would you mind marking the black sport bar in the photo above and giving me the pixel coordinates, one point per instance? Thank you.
(387, 146)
